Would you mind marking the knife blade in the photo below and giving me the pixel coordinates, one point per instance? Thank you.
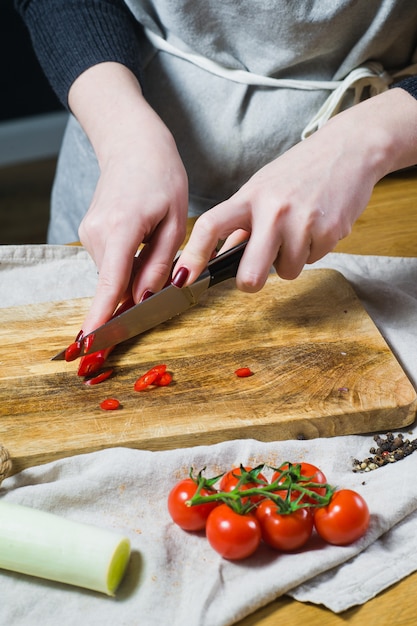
(162, 306)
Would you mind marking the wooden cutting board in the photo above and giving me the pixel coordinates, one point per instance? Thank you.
(321, 369)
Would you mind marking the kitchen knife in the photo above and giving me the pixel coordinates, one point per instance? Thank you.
(162, 306)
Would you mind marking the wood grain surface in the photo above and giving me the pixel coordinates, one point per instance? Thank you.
(321, 368)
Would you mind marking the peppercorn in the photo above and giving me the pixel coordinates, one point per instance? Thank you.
(391, 448)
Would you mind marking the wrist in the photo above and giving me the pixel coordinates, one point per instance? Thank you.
(382, 132)
(107, 101)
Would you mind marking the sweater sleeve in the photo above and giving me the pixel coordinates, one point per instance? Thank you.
(409, 84)
(69, 36)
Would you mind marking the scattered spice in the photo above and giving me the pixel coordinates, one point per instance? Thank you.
(389, 449)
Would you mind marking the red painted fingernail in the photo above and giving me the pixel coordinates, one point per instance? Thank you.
(79, 336)
(180, 277)
(146, 294)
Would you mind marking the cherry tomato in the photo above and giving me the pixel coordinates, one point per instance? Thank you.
(286, 531)
(230, 480)
(311, 473)
(232, 535)
(243, 372)
(110, 404)
(188, 517)
(344, 520)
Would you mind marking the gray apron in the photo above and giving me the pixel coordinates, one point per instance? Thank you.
(240, 82)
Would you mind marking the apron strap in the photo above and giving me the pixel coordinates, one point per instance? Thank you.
(370, 75)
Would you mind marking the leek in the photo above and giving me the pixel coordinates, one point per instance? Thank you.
(43, 544)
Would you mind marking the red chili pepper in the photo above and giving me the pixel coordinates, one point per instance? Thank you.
(92, 363)
(73, 351)
(158, 370)
(150, 377)
(95, 380)
(243, 372)
(145, 380)
(164, 380)
(109, 404)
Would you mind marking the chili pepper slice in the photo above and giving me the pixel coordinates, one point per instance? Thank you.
(158, 369)
(150, 377)
(73, 351)
(95, 380)
(145, 380)
(110, 404)
(92, 363)
(164, 380)
(243, 372)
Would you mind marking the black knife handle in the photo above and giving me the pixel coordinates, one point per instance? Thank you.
(225, 265)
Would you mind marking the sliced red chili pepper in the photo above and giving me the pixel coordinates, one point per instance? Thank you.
(243, 372)
(73, 351)
(95, 380)
(110, 404)
(164, 380)
(150, 377)
(158, 369)
(144, 381)
(92, 363)
(140, 384)
(88, 342)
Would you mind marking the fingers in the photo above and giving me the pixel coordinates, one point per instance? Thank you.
(155, 260)
(279, 234)
(113, 279)
(211, 228)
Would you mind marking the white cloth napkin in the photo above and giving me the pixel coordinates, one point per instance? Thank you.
(175, 577)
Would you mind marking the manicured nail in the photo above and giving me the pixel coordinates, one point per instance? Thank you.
(180, 277)
(79, 336)
(146, 294)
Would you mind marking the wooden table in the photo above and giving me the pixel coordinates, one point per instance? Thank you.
(387, 227)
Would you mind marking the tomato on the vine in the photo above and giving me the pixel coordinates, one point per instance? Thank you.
(230, 480)
(344, 520)
(311, 473)
(233, 535)
(189, 517)
(284, 531)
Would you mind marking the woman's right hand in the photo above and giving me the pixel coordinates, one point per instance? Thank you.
(141, 196)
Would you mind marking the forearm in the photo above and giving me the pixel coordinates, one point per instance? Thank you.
(380, 133)
(70, 36)
(108, 102)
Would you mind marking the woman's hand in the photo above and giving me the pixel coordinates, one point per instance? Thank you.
(141, 195)
(295, 209)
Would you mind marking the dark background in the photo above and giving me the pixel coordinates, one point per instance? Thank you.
(24, 88)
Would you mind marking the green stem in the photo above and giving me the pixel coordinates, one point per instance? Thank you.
(240, 499)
